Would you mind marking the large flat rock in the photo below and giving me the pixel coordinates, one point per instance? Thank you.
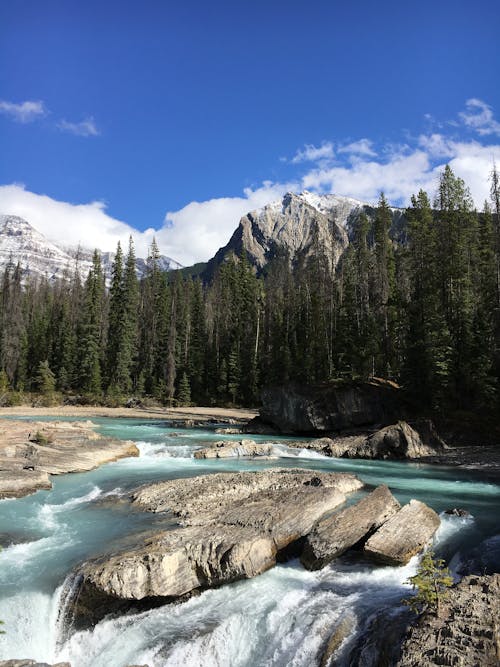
(404, 535)
(198, 499)
(31, 451)
(332, 536)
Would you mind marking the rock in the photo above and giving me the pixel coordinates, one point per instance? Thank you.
(228, 431)
(31, 451)
(31, 663)
(195, 501)
(342, 630)
(457, 511)
(401, 441)
(334, 535)
(466, 633)
(398, 441)
(226, 449)
(329, 407)
(19, 483)
(258, 427)
(403, 535)
(234, 526)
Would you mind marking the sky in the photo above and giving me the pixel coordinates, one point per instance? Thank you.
(172, 120)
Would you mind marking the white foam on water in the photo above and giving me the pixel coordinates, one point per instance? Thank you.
(282, 451)
(150, 450)
(450, 525)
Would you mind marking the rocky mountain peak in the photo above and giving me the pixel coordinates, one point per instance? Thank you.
(21, 243)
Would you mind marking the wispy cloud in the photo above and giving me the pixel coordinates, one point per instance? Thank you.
(360, 147)
(479, 116)
(311, 153)
(24, 112)
(86, 128)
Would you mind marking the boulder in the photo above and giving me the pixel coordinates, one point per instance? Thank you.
(397, 441)
(403, 535)
(334, 535)
(226, 449)
(330, 407)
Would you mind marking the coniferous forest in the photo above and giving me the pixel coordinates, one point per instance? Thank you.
(423, 311)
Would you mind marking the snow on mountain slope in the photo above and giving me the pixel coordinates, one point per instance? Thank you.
(37, 256)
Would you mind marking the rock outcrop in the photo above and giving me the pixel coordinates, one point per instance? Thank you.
(226, 449)
(233, 526)
(397, 441)
(403, 535)
(197, 500)
(303, 409)
(31, 451)
(467, 632)
(332, 536)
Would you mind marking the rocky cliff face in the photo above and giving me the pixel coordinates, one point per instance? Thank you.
(37, 256)
(466, 633)
(298, 226)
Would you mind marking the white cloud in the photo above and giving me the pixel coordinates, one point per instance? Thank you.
(86, 128)
(361, 147)
(311, 153)
(197, 231)
(71, 224)
(25, 112)
(479, 116)
(192, 234)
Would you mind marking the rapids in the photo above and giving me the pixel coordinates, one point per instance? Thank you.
(283, 617)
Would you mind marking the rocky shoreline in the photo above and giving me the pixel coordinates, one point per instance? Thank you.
(32, 451)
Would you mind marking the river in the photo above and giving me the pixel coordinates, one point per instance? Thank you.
(281, 618)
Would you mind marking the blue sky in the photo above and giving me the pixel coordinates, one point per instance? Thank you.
(174, 119)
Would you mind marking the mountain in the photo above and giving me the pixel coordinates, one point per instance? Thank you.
(300, 226)
(37, 256)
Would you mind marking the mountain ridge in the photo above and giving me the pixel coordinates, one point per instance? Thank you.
(38, 256)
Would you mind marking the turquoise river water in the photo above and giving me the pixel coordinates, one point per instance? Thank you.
(281, 618)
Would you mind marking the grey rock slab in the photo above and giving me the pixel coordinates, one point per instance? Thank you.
(332, 536)
(404, 535)
(198, 499)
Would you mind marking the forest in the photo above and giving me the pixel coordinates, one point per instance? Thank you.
(422, 310)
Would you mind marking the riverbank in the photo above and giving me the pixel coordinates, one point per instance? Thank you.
(190, 414)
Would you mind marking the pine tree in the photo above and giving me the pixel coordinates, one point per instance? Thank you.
(90, 339)
(184, 391)
(431, 583)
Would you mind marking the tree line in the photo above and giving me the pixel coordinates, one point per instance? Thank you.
(422, 309)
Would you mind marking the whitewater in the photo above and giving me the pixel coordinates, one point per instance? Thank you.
(283, 617)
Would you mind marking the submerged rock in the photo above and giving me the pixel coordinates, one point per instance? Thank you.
(334, 535)
(227, 449)
(465, 633)
(403, 535)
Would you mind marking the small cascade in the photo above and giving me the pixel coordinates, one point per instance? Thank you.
(68, 595)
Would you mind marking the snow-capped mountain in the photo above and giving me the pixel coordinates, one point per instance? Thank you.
(300, 226)
(37, 256)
